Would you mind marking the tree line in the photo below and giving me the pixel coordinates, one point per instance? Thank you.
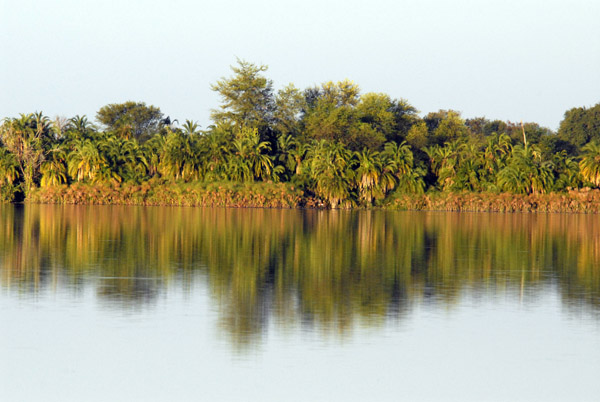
(331, 141)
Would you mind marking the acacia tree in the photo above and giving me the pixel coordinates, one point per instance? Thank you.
(131, 119)
(580, 125)
(246, 99)
(289, 103)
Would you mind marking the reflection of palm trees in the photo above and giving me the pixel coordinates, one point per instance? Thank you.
(328, 269)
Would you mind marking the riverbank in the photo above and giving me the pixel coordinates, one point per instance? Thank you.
(285, 195)
(251, 195)
(574, 201)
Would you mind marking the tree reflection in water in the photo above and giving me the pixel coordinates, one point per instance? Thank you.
(328, 270)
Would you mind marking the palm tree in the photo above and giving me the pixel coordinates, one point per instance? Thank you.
(85, 162)
(8, 168)
(190, 127)
(214, 147)
(24, 138)
(125, 159)
(495, 156)
(180, 157)
(526, 172)
(368, 176)
(399, 171)
(152, 150)
(590, 163)
(331, 169)
(248, 159)
(298, 154)
(443, 164)
(286, 145)
(54, 169)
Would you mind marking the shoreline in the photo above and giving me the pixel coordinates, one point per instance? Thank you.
(285, 195)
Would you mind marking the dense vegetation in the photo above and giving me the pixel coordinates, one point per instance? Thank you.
(335, 146)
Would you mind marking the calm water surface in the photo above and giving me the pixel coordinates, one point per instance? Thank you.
(182, 304)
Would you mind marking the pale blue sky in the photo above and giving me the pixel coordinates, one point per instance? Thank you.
(513, 60)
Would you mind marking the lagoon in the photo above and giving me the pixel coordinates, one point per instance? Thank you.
(160, 303)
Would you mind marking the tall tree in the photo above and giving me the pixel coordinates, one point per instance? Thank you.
(580, 125)
(246, 99)
(446, 125)
(289, 104)
(131, 119)
(26, 138)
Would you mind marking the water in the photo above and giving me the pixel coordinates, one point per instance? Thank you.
(153, 304)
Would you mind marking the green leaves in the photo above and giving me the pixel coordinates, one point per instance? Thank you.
(246, 98)
(526, 172)
(131, 119)
(590, 163)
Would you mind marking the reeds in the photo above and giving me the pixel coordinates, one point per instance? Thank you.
(575, 201)
(225, 194)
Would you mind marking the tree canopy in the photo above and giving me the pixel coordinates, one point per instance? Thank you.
(246, 98)
(580, 125)
(131, 119)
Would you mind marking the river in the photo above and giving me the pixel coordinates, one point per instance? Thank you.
(119, 303)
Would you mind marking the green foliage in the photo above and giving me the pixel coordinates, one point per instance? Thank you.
(131, 119)
(331, 169)
(26, 138)
(9, 172)
(341, 147)
(399, 164)
(417, 135)
(289, 104)
(246, 98)
(580, 125)
(248, 160)
(178, 156)
(590, 163)
(85, 162)
(526, 172)
(337, 112)
(54, 168)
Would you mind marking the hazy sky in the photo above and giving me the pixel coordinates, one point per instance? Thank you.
(513, 60)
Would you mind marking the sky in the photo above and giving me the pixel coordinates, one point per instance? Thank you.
(510, 60)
